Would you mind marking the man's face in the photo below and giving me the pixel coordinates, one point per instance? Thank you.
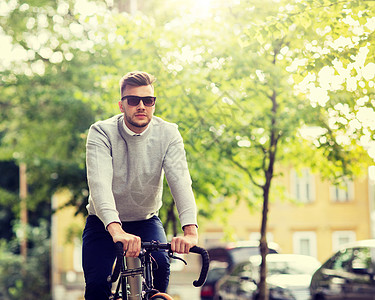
(137, 117)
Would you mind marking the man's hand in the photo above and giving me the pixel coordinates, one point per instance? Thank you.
(132, 243)
(182, 244)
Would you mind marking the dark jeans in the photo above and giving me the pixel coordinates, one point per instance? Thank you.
(98, 254)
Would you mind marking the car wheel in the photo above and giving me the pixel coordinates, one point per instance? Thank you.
(319, 297)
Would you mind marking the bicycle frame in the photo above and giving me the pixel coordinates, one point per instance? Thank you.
(130, 280)
(136, 279)
(139, 277)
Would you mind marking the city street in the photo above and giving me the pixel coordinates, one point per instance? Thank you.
(181, 286)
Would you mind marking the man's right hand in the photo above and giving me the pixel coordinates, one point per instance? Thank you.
(132, 243)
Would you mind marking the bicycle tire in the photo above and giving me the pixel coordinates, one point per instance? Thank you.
(161, 296)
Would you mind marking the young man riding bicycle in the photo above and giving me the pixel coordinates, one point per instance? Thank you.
(127, 157)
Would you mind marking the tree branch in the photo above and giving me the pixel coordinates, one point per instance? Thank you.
(248, 173)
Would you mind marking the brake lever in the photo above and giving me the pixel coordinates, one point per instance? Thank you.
(170, 254)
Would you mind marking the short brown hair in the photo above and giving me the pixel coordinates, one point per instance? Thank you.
(136, 78)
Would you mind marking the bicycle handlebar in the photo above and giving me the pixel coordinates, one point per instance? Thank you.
(205, 265)
(156, 246)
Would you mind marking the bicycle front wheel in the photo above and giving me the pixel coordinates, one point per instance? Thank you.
(161, 296)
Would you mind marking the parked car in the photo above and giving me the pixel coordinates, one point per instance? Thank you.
(348, 274)
(228, 256)
(216, 271)
(234, 253)
(288, 278)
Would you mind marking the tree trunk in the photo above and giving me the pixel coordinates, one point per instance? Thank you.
(129, 6)
(274, 138)
(23, 209)
(263, 290)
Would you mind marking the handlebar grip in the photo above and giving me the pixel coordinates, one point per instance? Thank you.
(205, 265)
(119, 248)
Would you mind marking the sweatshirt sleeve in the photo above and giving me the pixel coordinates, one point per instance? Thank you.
(179, 181)
(100, 175)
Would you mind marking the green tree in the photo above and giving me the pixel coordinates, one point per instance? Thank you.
(47, 100)
(44, 96)
(242, 109)
(336, 69)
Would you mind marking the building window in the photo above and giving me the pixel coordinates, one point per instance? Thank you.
(303, 185)
(304, 242)
(343, 192)
(342, 237)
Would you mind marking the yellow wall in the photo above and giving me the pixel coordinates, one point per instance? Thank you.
(64, 242)
(321, 216)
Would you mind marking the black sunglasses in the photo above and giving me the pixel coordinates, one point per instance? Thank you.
(134, 100)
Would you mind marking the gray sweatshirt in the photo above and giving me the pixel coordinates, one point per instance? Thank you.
(125, 173)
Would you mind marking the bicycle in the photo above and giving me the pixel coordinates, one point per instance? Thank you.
(136, 279)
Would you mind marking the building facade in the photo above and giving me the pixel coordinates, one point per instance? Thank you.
(314, 217)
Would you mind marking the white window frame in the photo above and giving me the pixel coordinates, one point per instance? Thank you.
(342, 193)
(350, 235)
(298, 236)
(303, 185)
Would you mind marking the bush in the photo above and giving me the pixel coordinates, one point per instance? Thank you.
(26, 280)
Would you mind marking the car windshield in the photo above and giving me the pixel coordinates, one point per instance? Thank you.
(241, 254)
(291, 267)
(215, 274)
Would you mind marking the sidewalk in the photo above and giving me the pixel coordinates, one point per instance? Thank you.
(181, 286)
